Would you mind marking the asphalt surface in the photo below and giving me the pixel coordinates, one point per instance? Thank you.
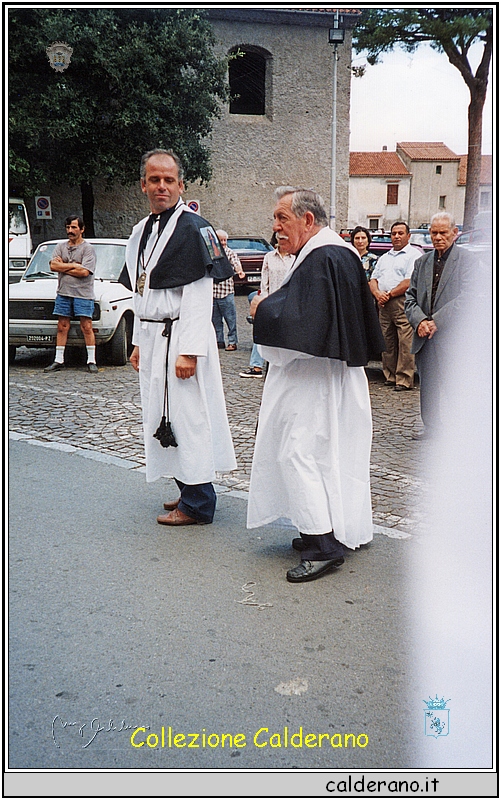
(113, 617)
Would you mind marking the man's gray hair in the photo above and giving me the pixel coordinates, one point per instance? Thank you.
(220, 233)
(304, 200)
(159, 152)
(443, 215)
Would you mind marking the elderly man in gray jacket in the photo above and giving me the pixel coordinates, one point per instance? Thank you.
(433, 301)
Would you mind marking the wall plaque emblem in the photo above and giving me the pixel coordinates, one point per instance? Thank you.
(59, 55)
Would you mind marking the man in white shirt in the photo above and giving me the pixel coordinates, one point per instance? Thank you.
(389, 283)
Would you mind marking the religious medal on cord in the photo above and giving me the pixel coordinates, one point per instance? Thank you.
(150, 247)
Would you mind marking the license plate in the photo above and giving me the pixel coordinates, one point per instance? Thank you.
(35, 338)
(253, 280)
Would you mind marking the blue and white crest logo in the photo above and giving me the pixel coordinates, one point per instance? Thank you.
(59, 55)
(436, 717)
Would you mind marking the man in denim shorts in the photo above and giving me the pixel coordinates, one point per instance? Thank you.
(75, 261)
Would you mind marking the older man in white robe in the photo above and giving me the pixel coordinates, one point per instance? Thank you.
(312, 453)
(172, 258)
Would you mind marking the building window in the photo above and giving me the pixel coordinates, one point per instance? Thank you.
(485, 199)
(247, 77)
(438, 169)
(392, 194)
(441, 201)
(373, 224)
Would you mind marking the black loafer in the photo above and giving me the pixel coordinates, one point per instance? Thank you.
(55, 367)
(92, 367)
(400, 388)
(311, 570)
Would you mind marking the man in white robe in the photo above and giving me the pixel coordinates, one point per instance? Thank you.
(172, 257)
(312, 453)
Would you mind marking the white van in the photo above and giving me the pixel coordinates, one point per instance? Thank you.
(19, 238)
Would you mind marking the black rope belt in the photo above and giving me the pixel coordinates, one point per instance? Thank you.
(164, 432)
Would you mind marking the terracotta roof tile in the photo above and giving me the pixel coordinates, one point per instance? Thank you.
(427, 151)
(485, 171)
(383, 163)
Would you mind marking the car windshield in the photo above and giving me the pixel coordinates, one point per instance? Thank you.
(110, 260)
(258, 245)
(421, 238)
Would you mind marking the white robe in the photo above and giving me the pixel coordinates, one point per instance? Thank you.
(197, 406)
(311, 462)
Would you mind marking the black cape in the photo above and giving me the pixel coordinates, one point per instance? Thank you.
(326, 309)
(192, 249)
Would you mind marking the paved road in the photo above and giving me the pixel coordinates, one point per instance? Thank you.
(112, 617)
(101, 413)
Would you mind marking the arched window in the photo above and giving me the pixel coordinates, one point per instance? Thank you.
(247, 76)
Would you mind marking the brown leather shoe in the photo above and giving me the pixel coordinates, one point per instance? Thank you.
(177, 517)
(172, 504)
(231, 347)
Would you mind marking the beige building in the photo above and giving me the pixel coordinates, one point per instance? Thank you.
(277, 131)
(434, 187)
(485, 191)
(379, 190)
(417, 181)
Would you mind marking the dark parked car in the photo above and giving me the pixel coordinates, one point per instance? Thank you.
(251, 251)
(381, 243)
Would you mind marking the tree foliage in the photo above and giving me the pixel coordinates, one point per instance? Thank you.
(449, 30)
(138, 79)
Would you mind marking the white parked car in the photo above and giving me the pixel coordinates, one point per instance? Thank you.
(31, 303)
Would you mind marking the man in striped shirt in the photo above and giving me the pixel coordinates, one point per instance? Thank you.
(223, 303)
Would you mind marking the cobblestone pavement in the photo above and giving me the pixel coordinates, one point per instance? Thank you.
(102, 413)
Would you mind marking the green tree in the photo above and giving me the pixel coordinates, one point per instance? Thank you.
(138, 79)
(452, 31)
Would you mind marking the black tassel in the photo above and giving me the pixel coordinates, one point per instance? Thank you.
(165, 434)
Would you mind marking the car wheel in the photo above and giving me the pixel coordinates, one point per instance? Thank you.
(12, 353)
(117, 348)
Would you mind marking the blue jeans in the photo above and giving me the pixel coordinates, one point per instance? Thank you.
(197, 500)
(255, 359)
(73, 306)
(223, 308)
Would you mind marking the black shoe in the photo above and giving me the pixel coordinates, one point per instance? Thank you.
(221, 345)
(55, 367)
(389, 383)
(400, 388)
(92, 367)
(310, 570)
(252, 372)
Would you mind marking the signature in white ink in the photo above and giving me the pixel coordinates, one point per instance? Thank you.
(87, 731)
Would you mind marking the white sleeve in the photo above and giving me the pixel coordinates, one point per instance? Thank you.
(195, 318)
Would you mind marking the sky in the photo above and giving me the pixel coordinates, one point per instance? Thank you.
(414, 97)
